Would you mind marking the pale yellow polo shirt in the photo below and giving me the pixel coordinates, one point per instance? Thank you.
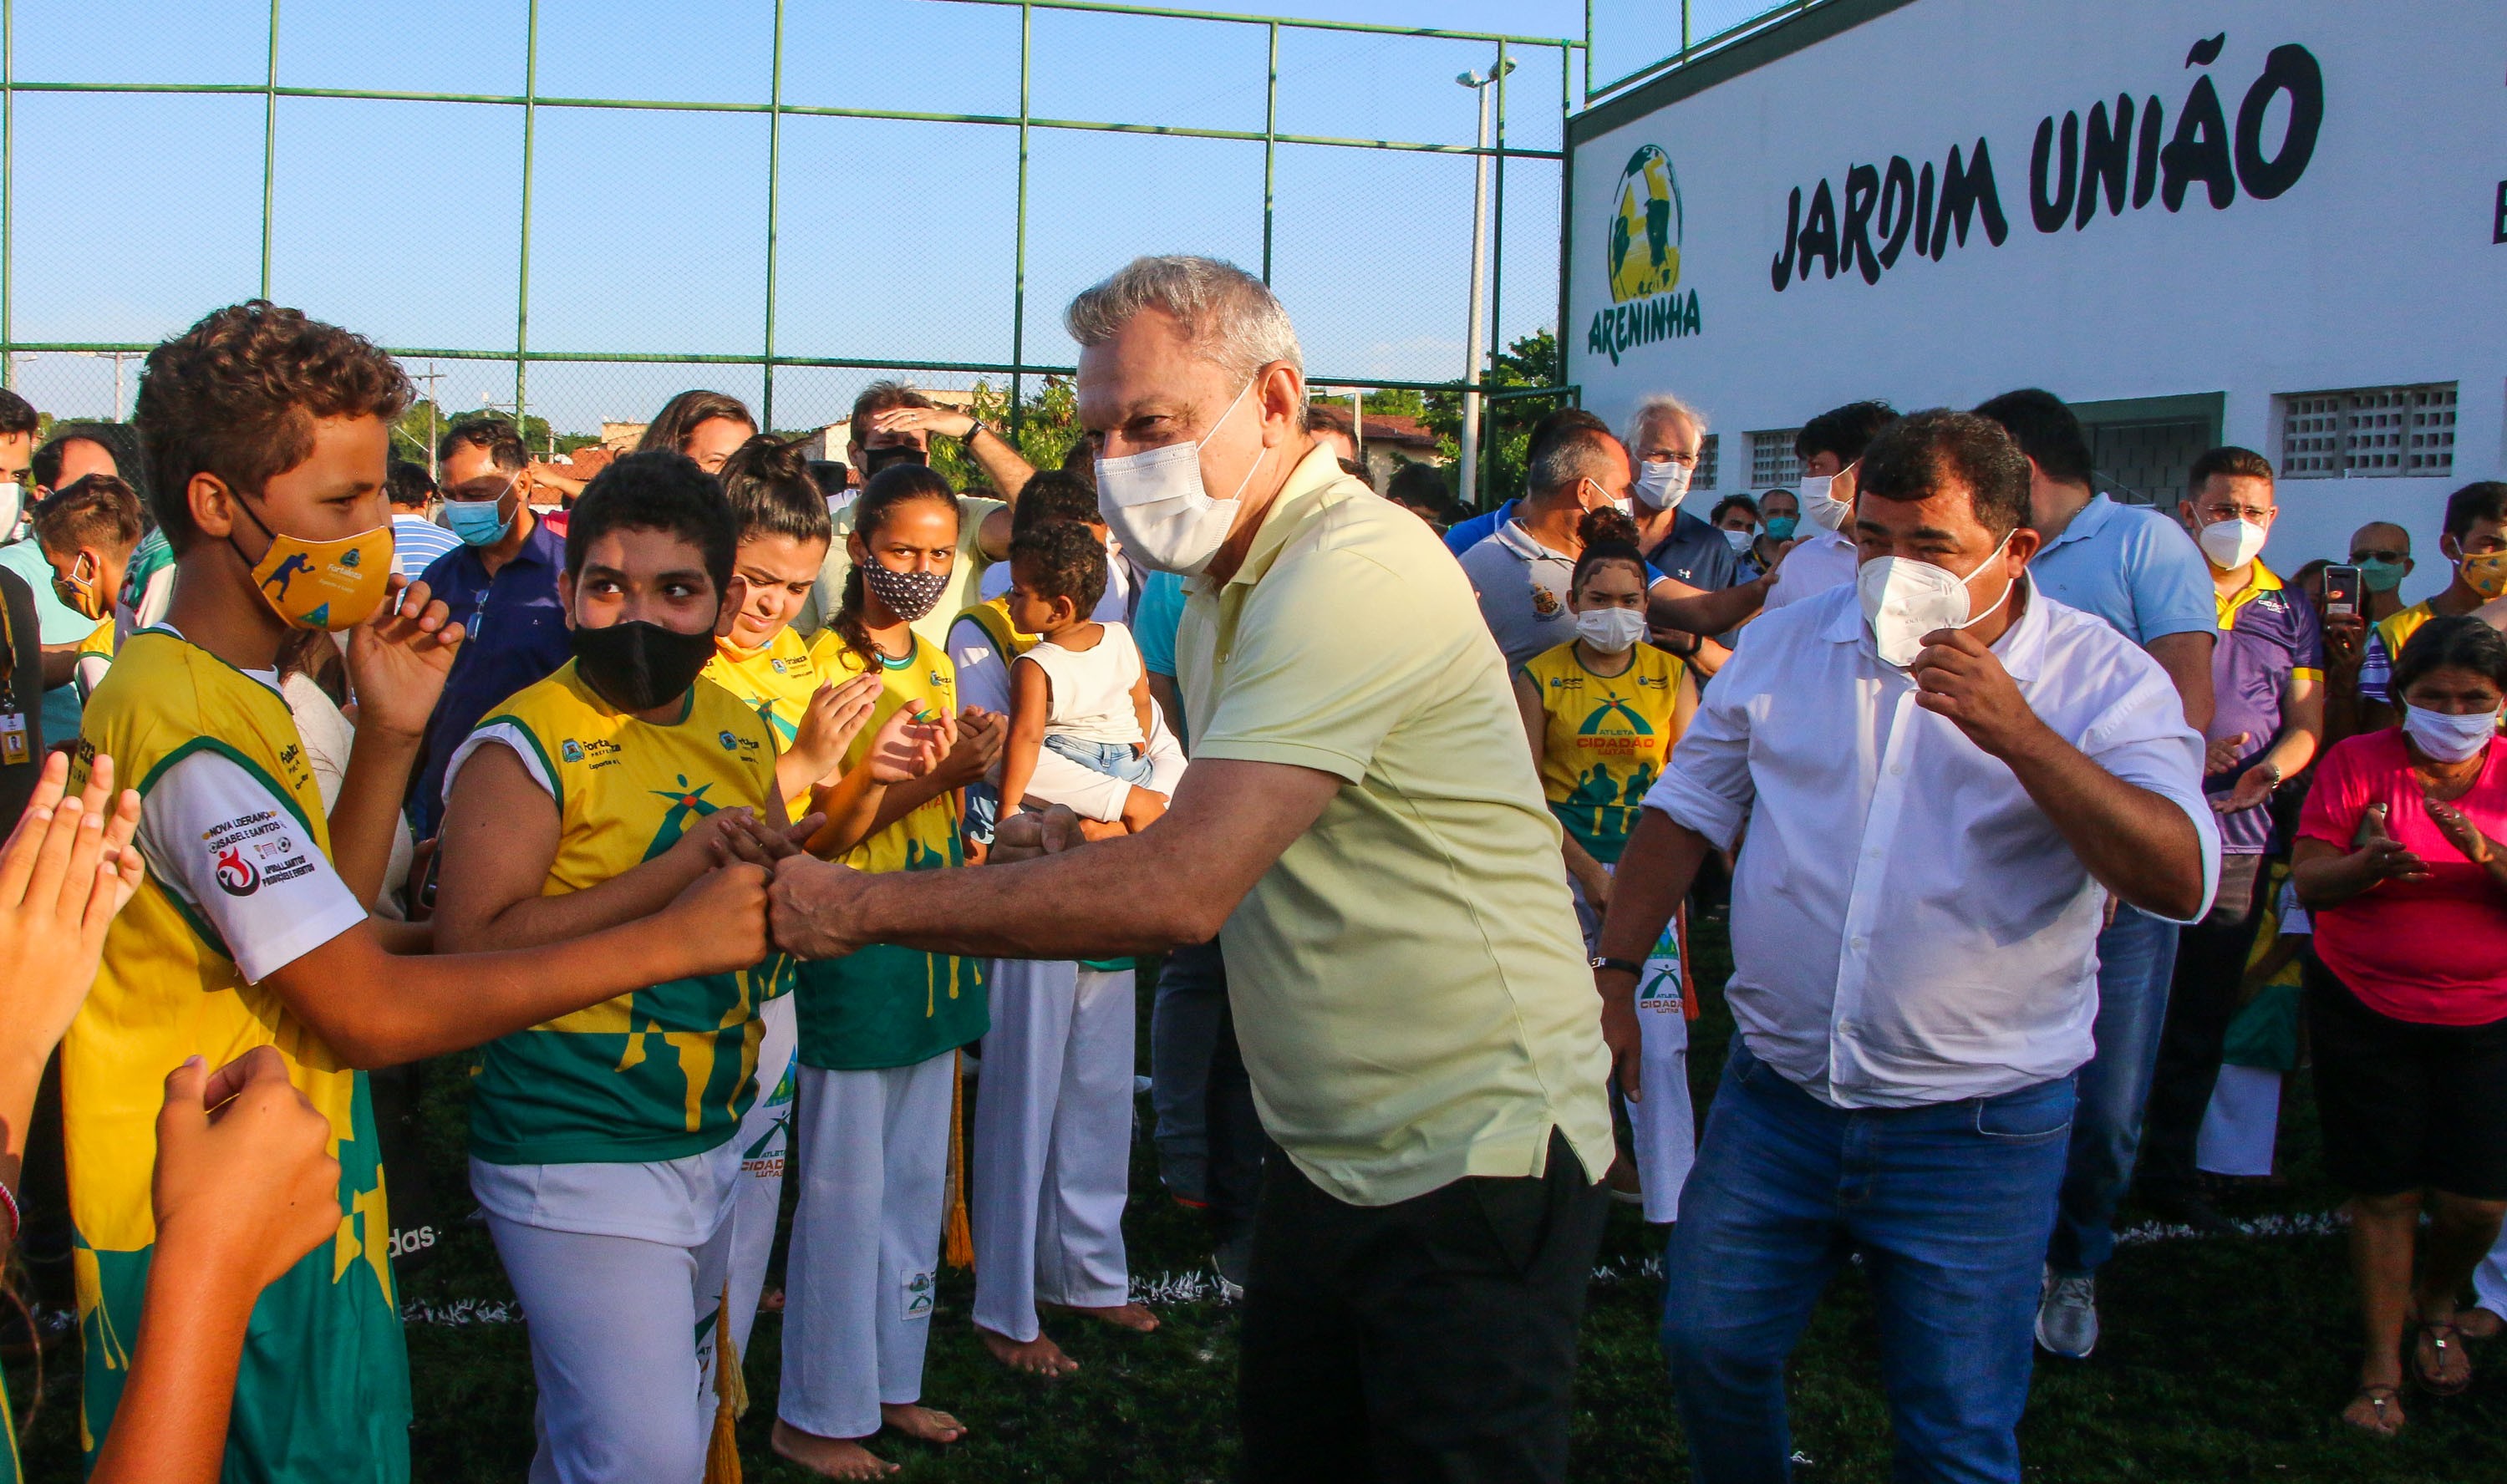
(829, 594)
(1410, 988)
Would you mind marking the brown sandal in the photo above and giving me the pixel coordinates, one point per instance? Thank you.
(2379, 1397)
(2440, 1338)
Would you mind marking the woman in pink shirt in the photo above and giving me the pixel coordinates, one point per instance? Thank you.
(2400, 862)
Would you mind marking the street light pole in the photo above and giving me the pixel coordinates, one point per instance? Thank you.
(1475, 340)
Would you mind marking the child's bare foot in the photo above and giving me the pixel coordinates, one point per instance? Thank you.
(1131, 1316)
(835, 1458)
(922, 1423)
(1039, 1357)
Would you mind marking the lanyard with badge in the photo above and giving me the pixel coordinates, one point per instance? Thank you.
(15, 749)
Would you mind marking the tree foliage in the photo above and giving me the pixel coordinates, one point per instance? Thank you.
(1505, 426)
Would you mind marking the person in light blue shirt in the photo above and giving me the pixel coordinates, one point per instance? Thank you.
(2139, 571)
(56, 622)
(416, 540)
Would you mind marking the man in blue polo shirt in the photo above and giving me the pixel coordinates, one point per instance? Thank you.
(2268, 673)
(500, 583)
(1463, 536)
(2136, 569)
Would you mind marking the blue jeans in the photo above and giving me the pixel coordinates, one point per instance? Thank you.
(1114, 759)
(2136, 959)
(1208, 1136)
(1949, 1207)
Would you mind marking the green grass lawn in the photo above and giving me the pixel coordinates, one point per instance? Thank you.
(2223, 1360)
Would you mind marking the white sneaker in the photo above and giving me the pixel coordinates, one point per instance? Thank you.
(2067, 1314)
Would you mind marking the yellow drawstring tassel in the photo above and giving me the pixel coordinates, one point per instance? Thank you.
(960, 1246)
(730, 1399)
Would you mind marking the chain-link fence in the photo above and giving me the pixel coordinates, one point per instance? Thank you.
(555, 209)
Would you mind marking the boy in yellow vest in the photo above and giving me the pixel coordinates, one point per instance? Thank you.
(267, 436)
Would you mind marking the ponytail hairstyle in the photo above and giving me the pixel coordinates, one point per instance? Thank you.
(772, 493)
(892, 488)
(1609, 535)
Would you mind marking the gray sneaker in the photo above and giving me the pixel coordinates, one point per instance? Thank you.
(2067, 1314)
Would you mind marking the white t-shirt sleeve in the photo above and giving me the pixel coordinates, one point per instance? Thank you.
(504, 734)
(222, 842)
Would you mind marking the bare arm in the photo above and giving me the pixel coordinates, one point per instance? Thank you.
(1653, 878)
(1031, 696)
(1009, 472)
(397, 662)
(980, 735)
(1172, 883)
(2187, 659)
(1671, 604)
(1144, 712)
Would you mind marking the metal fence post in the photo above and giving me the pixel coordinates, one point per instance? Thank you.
(774, 187)
(1018, 264)
(8, 190)
(269, 145)
(1497, 265)
(523, 275)
(1270, 145)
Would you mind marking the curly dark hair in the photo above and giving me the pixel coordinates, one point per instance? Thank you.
(896, 486)
(1916, 455)
(236, 395)
(408, 485)
(1609, 535)
(661, 490)
(1061, 558)
(772, 490)
(491, 433)
(1053, 496)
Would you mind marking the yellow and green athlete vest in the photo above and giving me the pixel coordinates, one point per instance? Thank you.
(886, 1005)
(659, 1073)
(776, 681)
(323, 1392)
(1607, 737)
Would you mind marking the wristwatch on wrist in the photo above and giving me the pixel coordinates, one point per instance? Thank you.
(973, 427)
(1600, 961)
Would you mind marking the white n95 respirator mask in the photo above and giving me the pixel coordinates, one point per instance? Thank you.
(1154, 504)
(1903, 599)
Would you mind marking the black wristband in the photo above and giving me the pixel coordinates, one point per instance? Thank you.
(1624, 966)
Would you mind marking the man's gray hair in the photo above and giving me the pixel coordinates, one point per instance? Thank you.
(1661, 406)
(1229, 317)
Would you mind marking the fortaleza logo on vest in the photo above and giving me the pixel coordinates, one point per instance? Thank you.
(1645, 238)
(2127, 150)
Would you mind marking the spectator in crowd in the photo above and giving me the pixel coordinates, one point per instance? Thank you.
(73, 562)
(1602, 713)
(1665, 437)
(1427, 1236)
(1901, 1081)
(1464, 534)
(2267, 684)
(880, 1171)
(1420, 488)
(1737, 516)
(417, 539)
(19, 421)
(22, 663)
(707, 426)
(1057, 495)
(1830, 448)
(2474, 540)
(500, 583)
(2399, 864)
(267, 438)
(241, 1185)
(1523, 571)
(893, 423)
(1079, 691)
(2135, 569)
(1333, 431)
(70, 454)
(1779, 517)
(2382, 551)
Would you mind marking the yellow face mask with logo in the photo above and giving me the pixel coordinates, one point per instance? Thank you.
(329, 585)
(2485, 573)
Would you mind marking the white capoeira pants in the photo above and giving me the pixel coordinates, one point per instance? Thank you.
(765, 1140)
(1665, 1122)
(1051, 1133)
(2241, 1124)
(2489, 1280)
(860, 1280)
(622, 1346)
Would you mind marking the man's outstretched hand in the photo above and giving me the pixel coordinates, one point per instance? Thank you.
(1032, 834)
(812, 908)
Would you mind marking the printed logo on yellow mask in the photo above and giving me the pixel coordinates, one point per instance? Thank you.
(323, 583)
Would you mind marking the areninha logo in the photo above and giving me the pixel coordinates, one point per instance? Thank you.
(1645, 226)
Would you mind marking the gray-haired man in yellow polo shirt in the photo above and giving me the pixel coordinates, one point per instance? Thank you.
(1362, 830)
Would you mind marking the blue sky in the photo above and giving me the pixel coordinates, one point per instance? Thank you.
(402, 219)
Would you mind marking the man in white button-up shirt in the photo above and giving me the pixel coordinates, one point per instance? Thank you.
(1929, 854)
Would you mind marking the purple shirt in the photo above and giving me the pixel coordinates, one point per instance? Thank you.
(2269, 635)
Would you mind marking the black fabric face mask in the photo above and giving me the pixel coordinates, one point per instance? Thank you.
(640, 667)
(876, 460)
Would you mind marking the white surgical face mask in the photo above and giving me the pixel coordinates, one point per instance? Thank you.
(1154, 503)
(2446, 737)
(1661, 486)
(1903, 599)
(1821, 508)
(1739, 540)
(12, 503)
(2231, 544)
(1612, 631)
